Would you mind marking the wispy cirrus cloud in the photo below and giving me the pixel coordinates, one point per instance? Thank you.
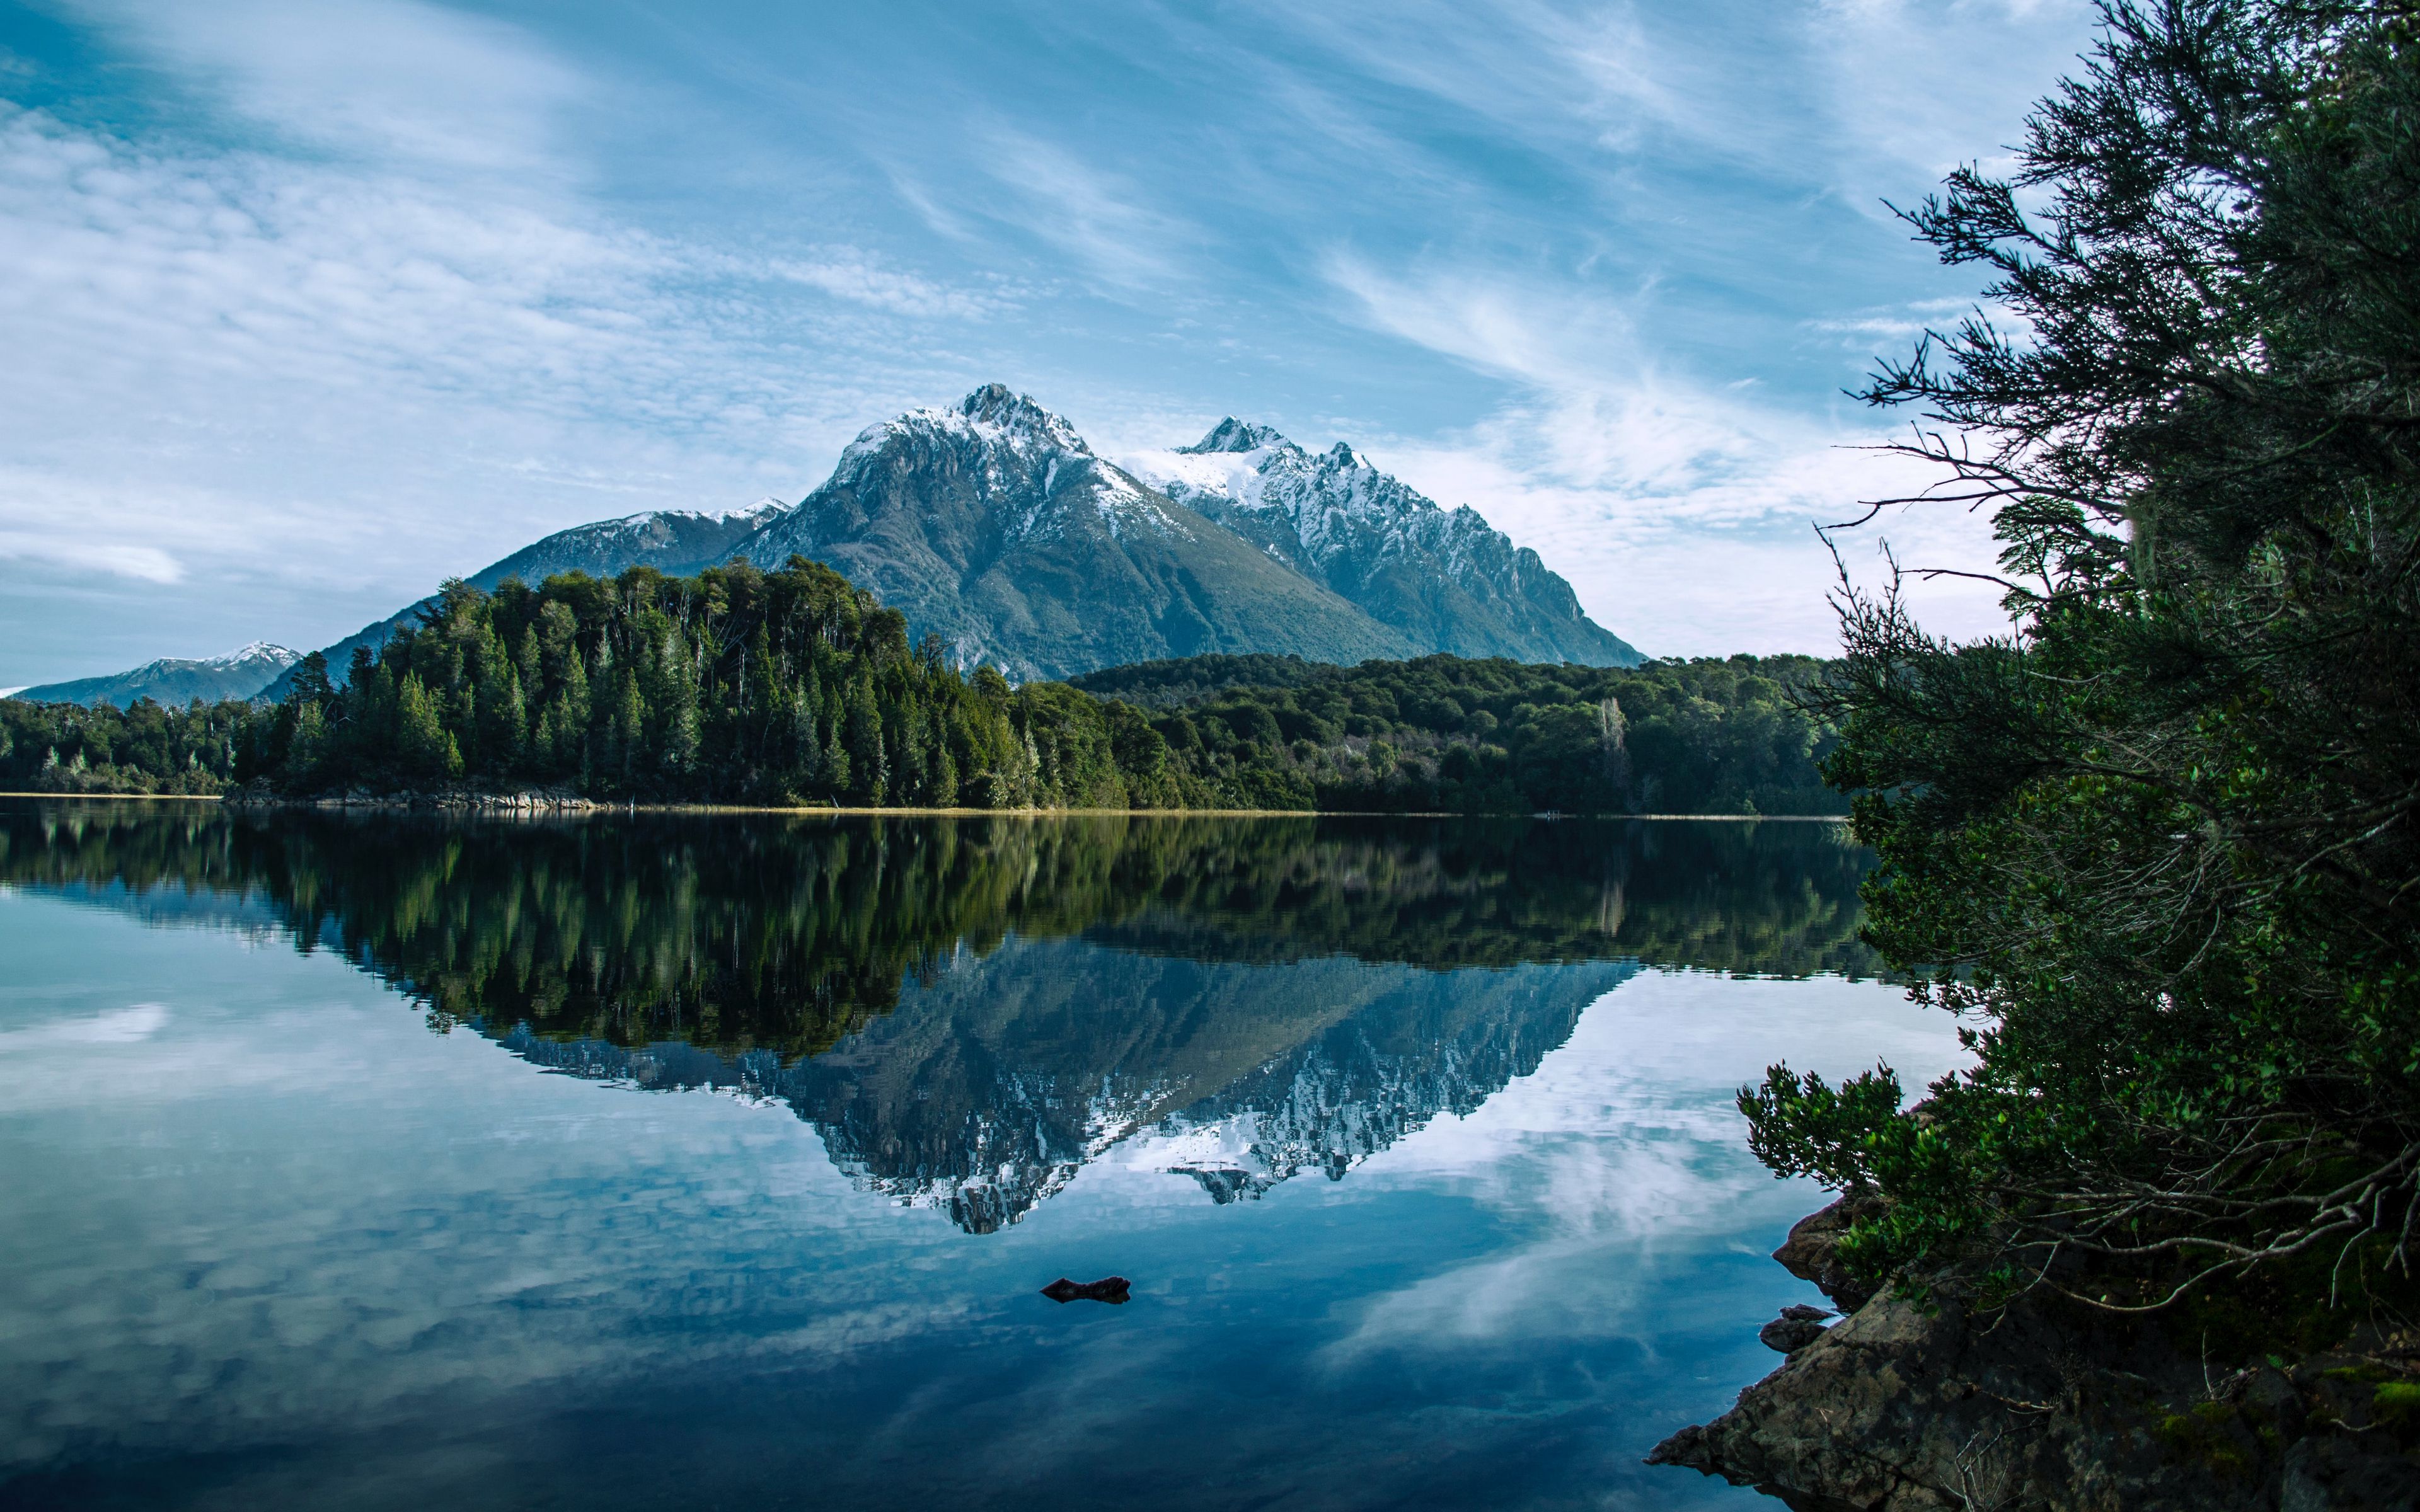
(277, 380)
(848, 274)
(1086, 210)
(1633, 479)
(376, 290)
(145, 564)
(392, 80)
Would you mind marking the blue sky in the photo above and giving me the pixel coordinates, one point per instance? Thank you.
(308, 305)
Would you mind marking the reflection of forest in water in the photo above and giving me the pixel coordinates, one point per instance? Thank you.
(968, 1009)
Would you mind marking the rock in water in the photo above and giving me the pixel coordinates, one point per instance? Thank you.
(1111, 1289)
(1810, 1252)
(1798, 1326)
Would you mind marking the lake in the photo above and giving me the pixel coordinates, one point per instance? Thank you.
(699, 1160)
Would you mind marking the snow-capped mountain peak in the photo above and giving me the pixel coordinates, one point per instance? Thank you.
(991, 523)
(265, 652)
(993, 418)
(1031, 469)
(1232, 435)
(1446, 577)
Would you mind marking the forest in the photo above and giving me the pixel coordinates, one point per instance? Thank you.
(1444, 734)
(794, 687)
(785, 932)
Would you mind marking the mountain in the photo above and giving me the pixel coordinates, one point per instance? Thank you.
(1445, 578)
(238, 675)
(994, 526)
(675, 542)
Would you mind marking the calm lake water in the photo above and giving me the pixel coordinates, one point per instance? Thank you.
(718, 1161)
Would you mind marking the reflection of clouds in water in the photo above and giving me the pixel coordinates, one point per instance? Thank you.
(1627, 1155)
(286, 1210)
(117, 1025)
(317, 1237)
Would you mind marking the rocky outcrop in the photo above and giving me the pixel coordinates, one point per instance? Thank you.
(1933, 1404)
(1810, 1253)
(1796, 1328)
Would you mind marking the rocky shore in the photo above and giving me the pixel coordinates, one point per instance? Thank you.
(1935, 1405)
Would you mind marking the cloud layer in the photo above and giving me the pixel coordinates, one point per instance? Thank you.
(313, 304)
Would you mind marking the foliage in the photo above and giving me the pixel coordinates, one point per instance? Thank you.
(65, 747)
(2158, 845)
(1448, 734)
(738, 685)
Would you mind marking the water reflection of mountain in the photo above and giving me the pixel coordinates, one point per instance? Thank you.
(969, 1011)
(994, 1082)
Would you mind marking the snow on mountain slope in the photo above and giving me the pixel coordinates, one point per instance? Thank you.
(1445, 577)
(238, 675)
(993, 525)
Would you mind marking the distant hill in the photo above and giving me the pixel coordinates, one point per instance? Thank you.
(993, 525)
(675, 542)
(1446, 578)
(1168, 685)
(238, 675)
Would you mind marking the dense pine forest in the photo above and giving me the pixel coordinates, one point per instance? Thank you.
(1446, 733)
(795, 686)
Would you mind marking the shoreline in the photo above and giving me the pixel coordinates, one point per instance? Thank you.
(1919, 1403)
(596, 807)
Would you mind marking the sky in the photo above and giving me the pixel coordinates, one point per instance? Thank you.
(308, 305)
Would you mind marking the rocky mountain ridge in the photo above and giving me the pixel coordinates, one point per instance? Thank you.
(238, 675)
(994, 526)
(1445, 578)
(675, 542)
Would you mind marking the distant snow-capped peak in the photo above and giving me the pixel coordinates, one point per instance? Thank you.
(763, 509)
(259, 651)
(1333, 504)
(755, 513)
(1254, 467)
(1029, 462)
(1232, 435)
(992, 417)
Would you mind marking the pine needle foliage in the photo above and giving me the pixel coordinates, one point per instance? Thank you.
(2156, 847)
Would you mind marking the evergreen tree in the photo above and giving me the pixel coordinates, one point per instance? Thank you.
(2157, 847)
